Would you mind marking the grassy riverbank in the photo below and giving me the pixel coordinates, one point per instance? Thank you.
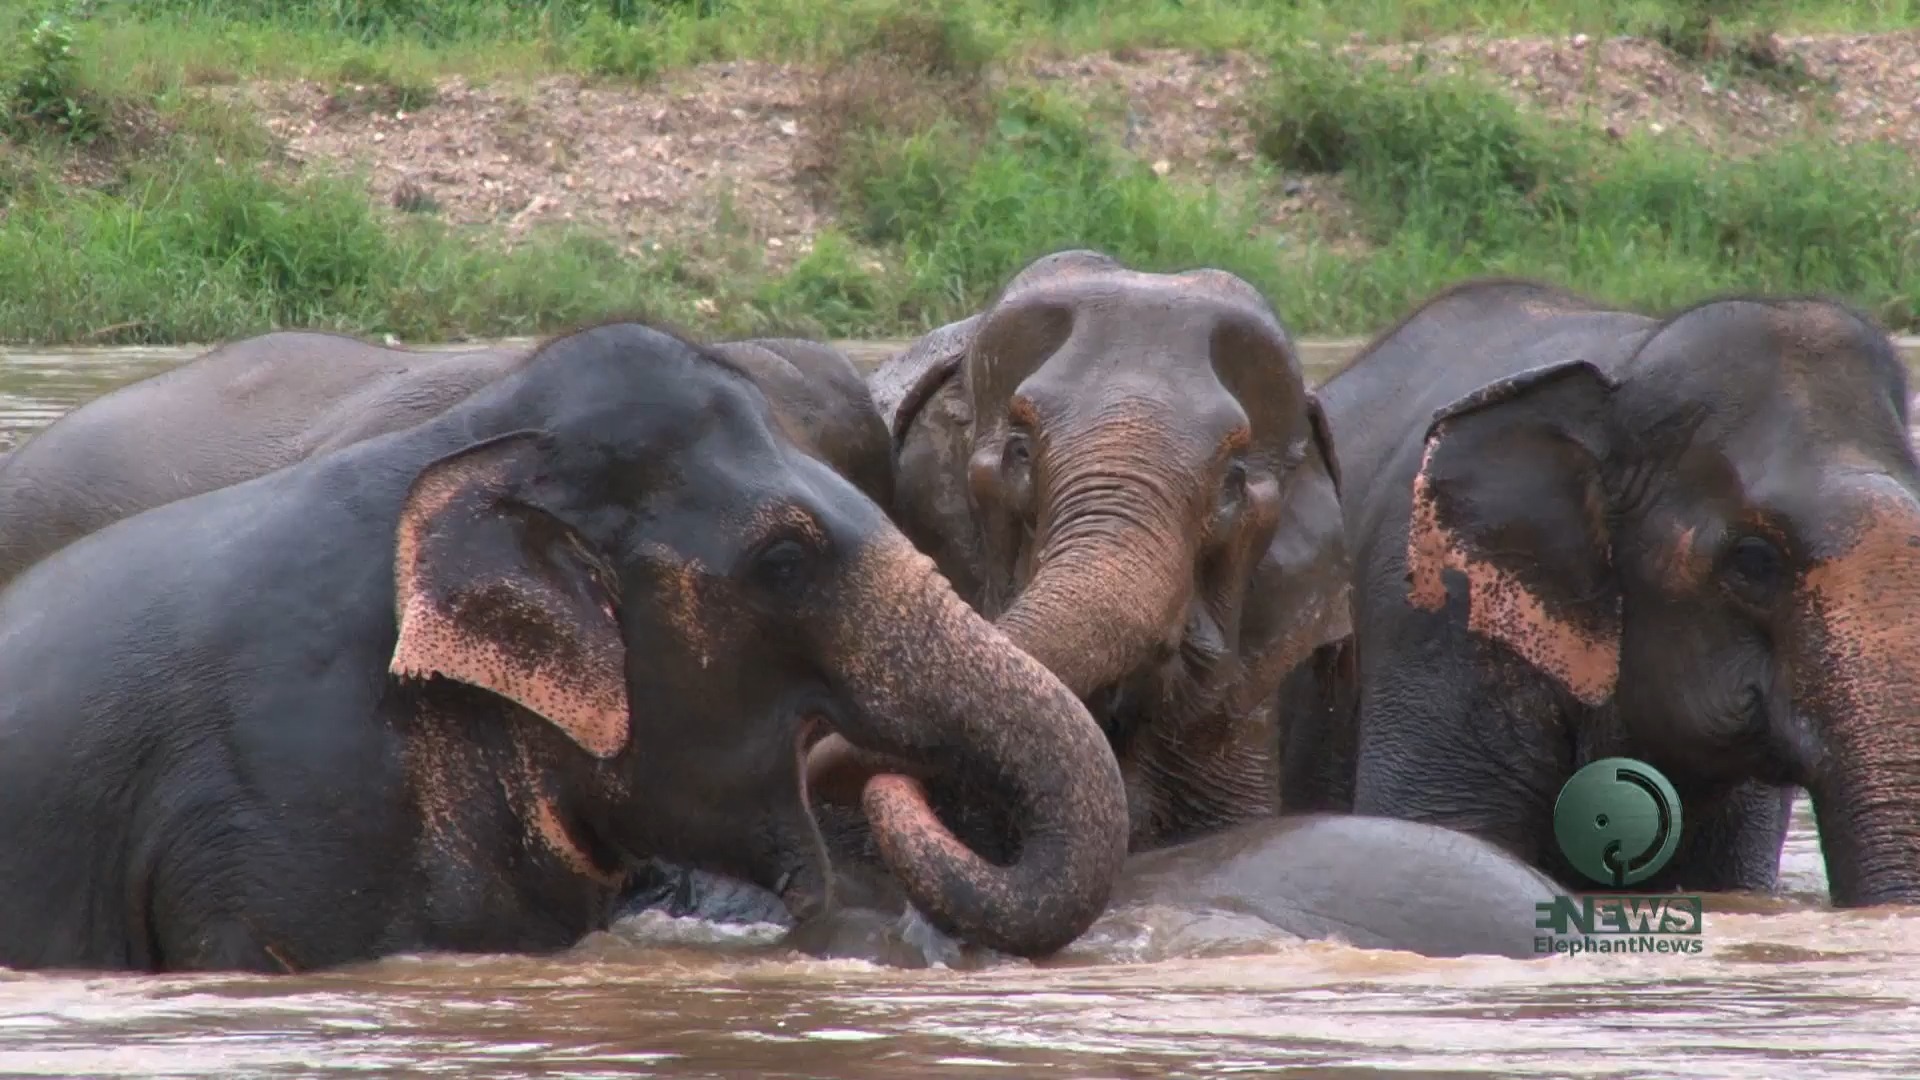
(194, 169)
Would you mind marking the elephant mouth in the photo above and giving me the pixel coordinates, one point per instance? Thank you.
(1188, 678)
(806, 886)
(834, 770)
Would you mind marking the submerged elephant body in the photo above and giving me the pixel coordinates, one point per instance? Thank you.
(241, 410)
(1581, 532)
(433, 690)
(1369, 882)
(262, 403)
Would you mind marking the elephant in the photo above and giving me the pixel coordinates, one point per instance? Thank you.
(1581, 532)
(1127, 472)
(435, 690)
(261, 403)
(1369, 882)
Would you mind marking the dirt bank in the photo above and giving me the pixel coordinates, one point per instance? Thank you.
(714, 147)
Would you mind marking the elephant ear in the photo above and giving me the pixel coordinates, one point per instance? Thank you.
(903, 383)
(1511, 501)
(492, 591)
(1323, 439)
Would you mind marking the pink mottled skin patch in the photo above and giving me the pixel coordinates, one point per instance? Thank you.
(1502, 609)
(448, 776)
(431, 643)
(906, 828)
(1861, 599)
(539, 808)
(681, 602)
(837, 771)
(1855, 607)
(583, 692)
(552, 834)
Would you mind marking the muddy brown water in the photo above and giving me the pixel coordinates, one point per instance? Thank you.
(1785, 987)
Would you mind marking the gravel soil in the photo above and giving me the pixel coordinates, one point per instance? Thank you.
(716, 147)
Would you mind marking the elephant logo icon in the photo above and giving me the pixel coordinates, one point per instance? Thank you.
(1617, 821)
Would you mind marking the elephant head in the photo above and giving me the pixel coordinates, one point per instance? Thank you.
(1719, 542)
(685, 596)
(823, 406)
(1126, 471)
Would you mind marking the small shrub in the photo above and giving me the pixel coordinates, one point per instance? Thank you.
(1698, 31)
(46, 94)
(1415, 145)
(829, 292)
(912, 72)
(1039, 183)
(319, 240)
(616, 48)
(939, 42)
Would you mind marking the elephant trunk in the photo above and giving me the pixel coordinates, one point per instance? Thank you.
(939, 685)
(1111, 577)
(1859, 682)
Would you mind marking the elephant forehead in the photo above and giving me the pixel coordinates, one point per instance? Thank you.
(1169, 351)
(1756, 361)
(1065, 275)
(1064, 265)
(1869, 514)
(1156, 415)
(1119, 295)
(1779, 464)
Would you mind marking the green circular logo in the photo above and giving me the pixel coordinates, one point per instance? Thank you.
(1617, 821)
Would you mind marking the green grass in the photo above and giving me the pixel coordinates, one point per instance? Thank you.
(1451, 179)
(943, 186)
(195, 254)
(158, 40)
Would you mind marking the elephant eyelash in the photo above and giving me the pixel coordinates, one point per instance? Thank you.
(1235, 478)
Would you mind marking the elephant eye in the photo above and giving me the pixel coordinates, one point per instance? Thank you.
(781, 565)
(1233, 486)
(1017, 454)
(1756, 564)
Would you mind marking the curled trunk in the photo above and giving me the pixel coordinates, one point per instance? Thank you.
(938, 684)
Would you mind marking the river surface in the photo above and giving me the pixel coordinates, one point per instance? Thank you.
(1785, 987)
